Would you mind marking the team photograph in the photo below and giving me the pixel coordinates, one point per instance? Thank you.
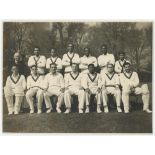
(77, 77)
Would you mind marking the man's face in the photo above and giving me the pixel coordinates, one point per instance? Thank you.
(53, 68)
(91, 69)
(127, 68)
(36, 51)
(104, 49)
(53, 52)
(86, 52)
(34, 70)
(14, 70)
(110, 68)
(70, 48)
(74, 67)
(121, 56)
(17, 57)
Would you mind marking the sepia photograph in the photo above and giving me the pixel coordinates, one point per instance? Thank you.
(77, 77)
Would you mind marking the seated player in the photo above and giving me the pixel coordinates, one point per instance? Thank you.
(34, 87)
(92, 85)
(69, 58)
(86, 60)
(15, 86)
(110, 85)
(38, 60)
(119, 63)
(54, 59)
(130, 85)
(54, 85)
(73, 86)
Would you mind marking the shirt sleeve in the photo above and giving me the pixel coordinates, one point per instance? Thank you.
(30, 61)
(65, 61)
(59, 63)
(99, 81)
(8, 84)
(62, 81)
(45, 82)
(112, 59)
(23, 82)
(95, 62)
(117, 80)
(135, 82)
(28, 82)
(84, 82)
(101, 63)
(76, 59)
(66, 80)
(117, 70)
(82, 66)
(42, 62)
(122, 81)
(48, 64)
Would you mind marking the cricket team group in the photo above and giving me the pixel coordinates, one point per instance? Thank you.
(80, 78)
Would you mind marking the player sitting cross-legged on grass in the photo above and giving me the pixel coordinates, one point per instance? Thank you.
(130, 85)
(35, 87)
(110, 85)
(73, 86)
(92, 85)
(15, 86)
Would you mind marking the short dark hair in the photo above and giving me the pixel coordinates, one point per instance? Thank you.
(121, 52)
(53, 64)
(37, 47)
(33, 66)
(87, 48)
(126, 63)
(91, 65)
(110, 64)
(105, 45)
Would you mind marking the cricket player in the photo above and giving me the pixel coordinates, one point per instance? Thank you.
(73, 86)
(35, 87)
(86, 60)
(54, 59)
(105, 58)
(110, 85)
(15, 86)
(130, 85)
(54, 85)
(119, 63)
(69, 58)
(92, 85)
(38, 60)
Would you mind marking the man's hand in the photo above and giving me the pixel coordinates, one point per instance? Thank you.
(117, 87)
(87, 90)
(132, 89)
(62, 90)
(81, 88)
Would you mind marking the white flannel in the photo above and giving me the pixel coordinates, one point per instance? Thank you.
(68, 59)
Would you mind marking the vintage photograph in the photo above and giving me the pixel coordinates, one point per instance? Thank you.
(77, 77)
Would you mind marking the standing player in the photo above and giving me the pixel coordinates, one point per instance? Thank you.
(54, 59)
(92, 85)
(119, 63)
(15, 86)
(54, 85)
(105, 58)
(130, 85)
(110, 85)
(69, 58)
(34, 86)
(22, 68)
(73, 85)
(86, 60)
(38, 60)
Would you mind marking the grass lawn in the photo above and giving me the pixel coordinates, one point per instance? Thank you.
(113, 122)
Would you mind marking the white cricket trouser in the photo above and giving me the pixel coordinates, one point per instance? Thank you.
(39, 95)
(54, 90)
(93, 90)
(113, 91)
(9, 93)
(73, 90)
(143, 90)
